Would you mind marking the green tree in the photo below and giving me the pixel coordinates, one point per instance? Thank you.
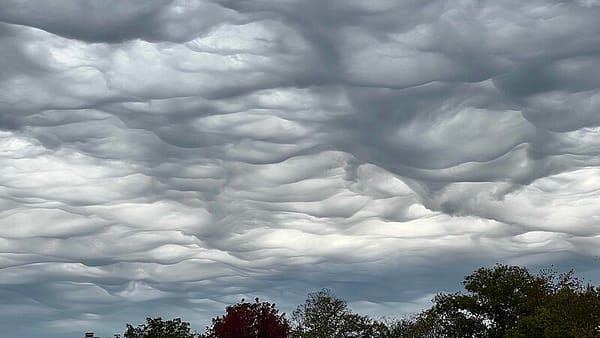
(496, 299)
(508, 301)
(323, 315)
(570, 309)
(398, 328)
(451, 315)
(500, 296)
(159, 328)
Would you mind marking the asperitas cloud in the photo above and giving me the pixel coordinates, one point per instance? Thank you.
(169, 157)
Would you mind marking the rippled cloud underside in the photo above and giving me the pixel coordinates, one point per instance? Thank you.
(169, 157)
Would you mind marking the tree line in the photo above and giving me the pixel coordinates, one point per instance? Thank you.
(500, 301)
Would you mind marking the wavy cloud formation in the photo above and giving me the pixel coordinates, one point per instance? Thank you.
(171, 157)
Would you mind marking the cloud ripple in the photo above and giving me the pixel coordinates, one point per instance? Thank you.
(171, 157)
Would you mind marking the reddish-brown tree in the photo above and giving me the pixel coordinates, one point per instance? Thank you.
(250, 320)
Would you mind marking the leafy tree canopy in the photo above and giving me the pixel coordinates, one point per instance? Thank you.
(323, 315)
(159, 328)
(249, 320)
(498, 302)
(508, 301)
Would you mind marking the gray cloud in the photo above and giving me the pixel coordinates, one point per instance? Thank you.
(116, 21)
(172, 157)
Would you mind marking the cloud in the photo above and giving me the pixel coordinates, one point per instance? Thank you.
(172, 157)
(116, 21)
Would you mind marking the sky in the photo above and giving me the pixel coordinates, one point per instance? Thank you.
(171, 157)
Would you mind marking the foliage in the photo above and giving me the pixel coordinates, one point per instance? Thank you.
(496, 298)
(508, 301)
(250, 320)
(571, 309)
(501, 301)
(158, 328)
(399, 328)
(323, 315)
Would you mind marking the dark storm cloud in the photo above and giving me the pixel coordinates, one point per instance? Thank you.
(171, 157)
(116, 21)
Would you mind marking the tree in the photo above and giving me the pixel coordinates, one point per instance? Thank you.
(500, 296)
(392, 328)
(158, 328)
(496, 299)
(325, 316)
(570, 309)
(322, 315)
(508, 301)
(451, 315)
(249, 320)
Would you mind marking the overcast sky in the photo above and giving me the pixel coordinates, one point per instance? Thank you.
(170, 157)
